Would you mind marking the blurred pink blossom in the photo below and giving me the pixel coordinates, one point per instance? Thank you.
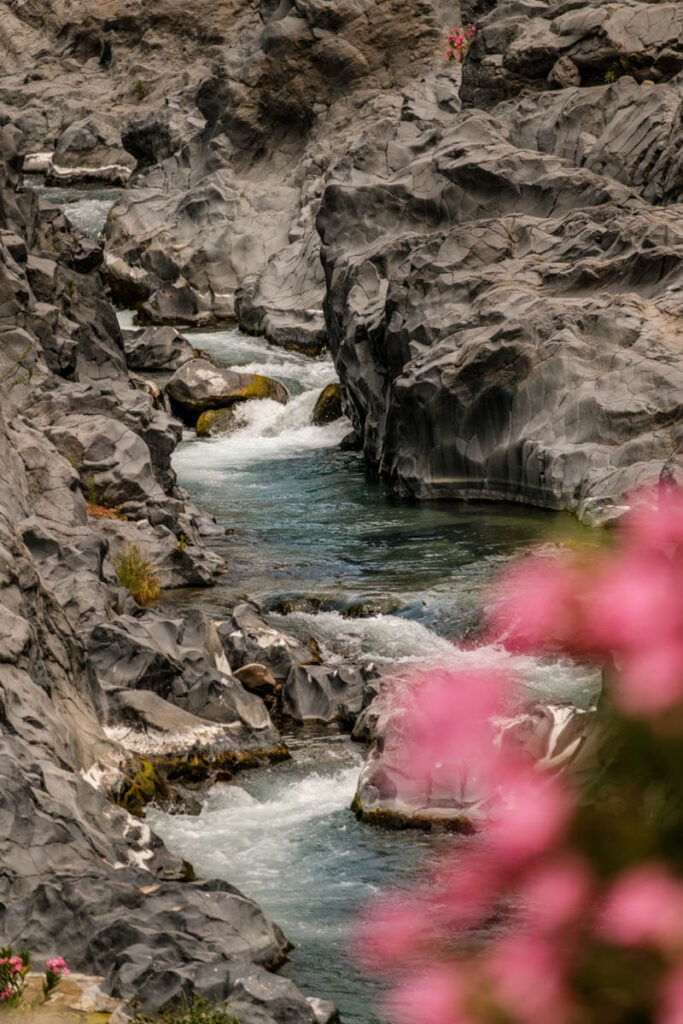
(644, 907)
(392, 932)
(528, 973)
(556, 894)
(535, 813)
(671, 1003)
(435, 996)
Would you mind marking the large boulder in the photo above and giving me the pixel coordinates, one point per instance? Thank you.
(551, 734)
(328, 406)
(90, 150)
(157, 348)
(199, 385)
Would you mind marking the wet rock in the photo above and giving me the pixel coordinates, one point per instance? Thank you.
(328, 406)
(247, 638)
(552, 734)
(257, 679)
(351, 442)
(217, 422)
(326, 694)
(199, 385)
(157, 348)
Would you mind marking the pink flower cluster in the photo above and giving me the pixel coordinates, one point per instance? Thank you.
(458, 43)
(15, 964)
(522, 895)
(623, 607)
(57, 966)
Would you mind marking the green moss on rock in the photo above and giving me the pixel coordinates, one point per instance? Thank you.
(216, 422)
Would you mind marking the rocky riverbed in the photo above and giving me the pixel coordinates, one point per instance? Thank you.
(494, 264)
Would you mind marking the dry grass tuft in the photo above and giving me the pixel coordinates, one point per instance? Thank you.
(136, 574)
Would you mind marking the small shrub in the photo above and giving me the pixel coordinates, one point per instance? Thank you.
(181, 543)
(195, 1011)
(136, 574)
(140, 90)
(617, 70)
(12, 377)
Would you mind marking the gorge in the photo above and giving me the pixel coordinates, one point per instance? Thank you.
(492, 269)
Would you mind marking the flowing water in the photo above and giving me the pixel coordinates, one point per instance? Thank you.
(87, 208)
(330, 553)
(370, 578)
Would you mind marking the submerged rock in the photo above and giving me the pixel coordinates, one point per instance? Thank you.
(217, 422)
(199, 385)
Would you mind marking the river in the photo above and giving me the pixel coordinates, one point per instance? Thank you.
(329, 552)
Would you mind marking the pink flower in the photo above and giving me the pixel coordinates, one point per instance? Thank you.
(535, 813)
(650, 681)
(16, 964)
(635, 602)
(536, 607)
(671, 1001)
(555, 894)
(57, 966)
(5, 994)
(644, 908)
(392, 933)
(434, 996)
(445, 741)
(528, 975)
(464, 890)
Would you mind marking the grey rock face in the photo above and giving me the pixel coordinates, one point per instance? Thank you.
(506, 329)
(90, 150)
(85, 673)
(305, 689)
(157, 348)
(225, 225)
(518, 45)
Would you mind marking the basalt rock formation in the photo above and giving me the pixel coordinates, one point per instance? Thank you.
(501, 287)
(504, 287)
(225, 225)
(103, 704)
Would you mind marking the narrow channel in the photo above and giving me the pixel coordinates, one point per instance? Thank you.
(326, 551)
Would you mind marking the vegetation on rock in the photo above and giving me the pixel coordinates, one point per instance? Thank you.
(137, 574)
